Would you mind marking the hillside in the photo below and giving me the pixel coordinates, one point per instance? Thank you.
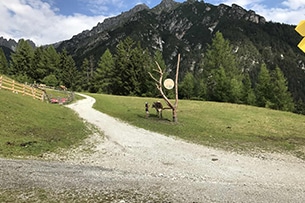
(188, 28)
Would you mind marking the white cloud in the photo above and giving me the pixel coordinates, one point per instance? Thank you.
(283, 14)
(35, 20)
(294, 4)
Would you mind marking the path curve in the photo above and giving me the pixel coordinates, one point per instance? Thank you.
(130, 157)
(217, 174)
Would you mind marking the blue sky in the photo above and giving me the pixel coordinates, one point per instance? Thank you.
(50, 21)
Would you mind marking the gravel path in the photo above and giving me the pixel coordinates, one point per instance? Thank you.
(135, 165)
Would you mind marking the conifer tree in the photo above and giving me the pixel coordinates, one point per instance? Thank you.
(67, 71)
(39, 64)
(52, 59)
(200, 89)
(51, 62)
(21, 62)
(141, 65)
(85, 79)
(248, 95)
(159, 59)
(280, 95)
(131, 66)
(186, 88)
(3, 63)
(103, 75)
(223, 78)
(219, 86)
(263, 87)
(123, 73)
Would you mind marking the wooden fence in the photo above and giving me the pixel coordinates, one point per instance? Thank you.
(11, 85)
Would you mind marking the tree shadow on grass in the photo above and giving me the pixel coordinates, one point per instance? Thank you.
(154, 117)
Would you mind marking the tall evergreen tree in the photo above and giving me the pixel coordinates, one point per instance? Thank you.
(122, 77)
(220, 54)
(3, 63)
(39, 64)
(85, 80)
(132, 64)
(280, 95)
(158, 57)
(263, 87)
(21, 62)
(67, 71)
(200, 89)
(248, 95)
(218, 86)
(103, 75)
(187, 86)
(141, 63)
(236, 88)
(52, 59)
(223, 78)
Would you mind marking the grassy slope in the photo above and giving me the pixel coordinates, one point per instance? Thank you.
(229, 126)
(32, 127)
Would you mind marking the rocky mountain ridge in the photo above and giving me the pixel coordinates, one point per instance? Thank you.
(112, 23)
(12, 44)
(165, 19)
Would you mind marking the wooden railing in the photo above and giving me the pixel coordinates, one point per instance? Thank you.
(11, 85)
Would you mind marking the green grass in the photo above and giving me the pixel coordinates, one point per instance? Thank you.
(223, 125)
(31, 194)
(30, 127)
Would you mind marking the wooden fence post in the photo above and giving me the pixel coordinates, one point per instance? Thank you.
(23, 89)
(33, 93)
(13, 86)
(42, 96)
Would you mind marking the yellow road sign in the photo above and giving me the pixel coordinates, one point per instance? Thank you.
(301, 30)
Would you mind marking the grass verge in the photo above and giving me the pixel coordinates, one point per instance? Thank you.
(77, 196)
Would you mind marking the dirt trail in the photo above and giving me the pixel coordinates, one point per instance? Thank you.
(154, 164)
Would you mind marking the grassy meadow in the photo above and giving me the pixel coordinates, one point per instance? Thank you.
(31, 127)
(222, 125)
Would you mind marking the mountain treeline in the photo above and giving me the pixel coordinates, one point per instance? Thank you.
(124, 71)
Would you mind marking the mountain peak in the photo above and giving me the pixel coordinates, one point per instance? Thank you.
(241, 13)
(138, 8)
(165, 5)
(11, 44)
